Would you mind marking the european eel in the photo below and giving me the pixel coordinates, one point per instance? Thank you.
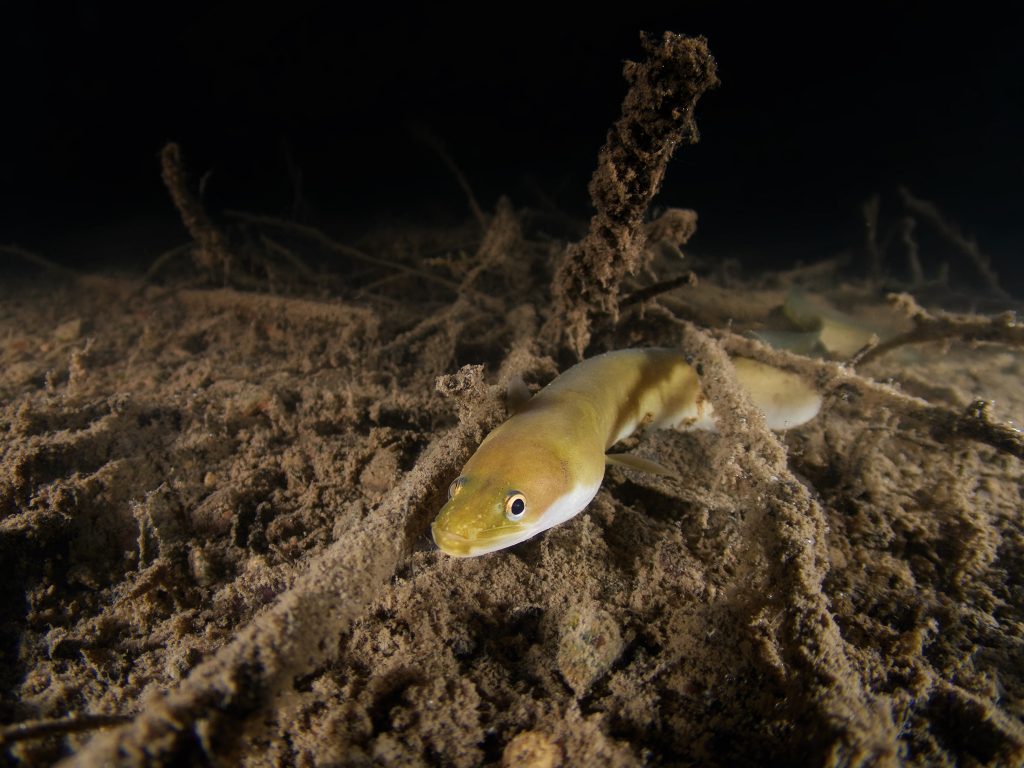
(826, 328)
(543, 465)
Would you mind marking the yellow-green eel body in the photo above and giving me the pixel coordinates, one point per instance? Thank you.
(545, 464)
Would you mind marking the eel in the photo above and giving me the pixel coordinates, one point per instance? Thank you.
(840, 334)
(543, 465)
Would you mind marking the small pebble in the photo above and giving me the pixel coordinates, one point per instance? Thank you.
(590, 644)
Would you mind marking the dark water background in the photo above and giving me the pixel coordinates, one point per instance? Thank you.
(816, 112)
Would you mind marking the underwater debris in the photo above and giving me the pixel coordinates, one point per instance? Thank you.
(657, 116)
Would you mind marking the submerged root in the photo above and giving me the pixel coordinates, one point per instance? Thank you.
(33, 258)
(381, 625)
(1000, 329)
(814, 654)
(212, 254)
(930, 213)
(975, 423)
(657, 116)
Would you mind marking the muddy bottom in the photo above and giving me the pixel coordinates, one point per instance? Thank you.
(214, 531)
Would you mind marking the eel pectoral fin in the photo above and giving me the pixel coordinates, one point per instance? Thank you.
(640, 464)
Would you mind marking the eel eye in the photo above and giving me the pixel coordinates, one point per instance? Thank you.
(515, 506)
(455, 487)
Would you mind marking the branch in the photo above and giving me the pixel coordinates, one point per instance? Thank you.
(301, 630)
(644, 294)
(36, 729)
(816, 656)
(930, 212)
(40, 261)
(657, 116)
(944, 424)
(330, 244)
(997, 329)
(213, 252)
(432, 141)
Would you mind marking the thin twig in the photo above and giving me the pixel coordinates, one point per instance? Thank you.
(930, 212)
(287, 254)
(913, 258)
(35, 259)
(35, 729)
(998, 329)
(296, 309)
(165, 258)
(422, 328)
(327, 242)
(858, 357)
(372, 289)
(870, 211)
(500, 238)
(432, 141)
(643, 294)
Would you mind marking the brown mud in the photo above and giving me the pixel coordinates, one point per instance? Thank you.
(216, 487)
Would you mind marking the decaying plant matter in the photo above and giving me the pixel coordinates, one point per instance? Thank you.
(214, 511)
(1002, 329)
(212, 254)
(657, 116)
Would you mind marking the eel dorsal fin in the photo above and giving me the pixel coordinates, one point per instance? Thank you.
(517, 395)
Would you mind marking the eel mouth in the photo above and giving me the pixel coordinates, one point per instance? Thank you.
(451, 543)
(489, 540)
